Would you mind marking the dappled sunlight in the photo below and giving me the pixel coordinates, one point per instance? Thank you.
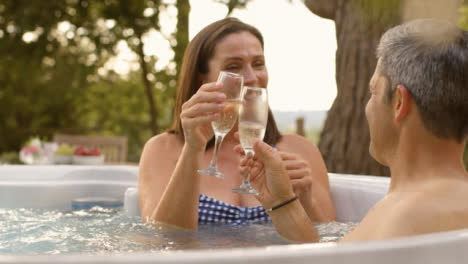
(125, 61)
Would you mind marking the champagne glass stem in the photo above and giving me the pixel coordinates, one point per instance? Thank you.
(218, 140)
(245, 187)
(213, 168)
(247, 181)
(248, 153)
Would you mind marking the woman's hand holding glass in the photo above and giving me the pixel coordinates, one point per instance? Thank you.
(267, 174)
(231, 86)
(299, 172)
(198, 113)
(297, 169)
(253, 118)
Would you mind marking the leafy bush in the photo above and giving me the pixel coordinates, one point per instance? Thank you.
(10, 158)
(464, 17)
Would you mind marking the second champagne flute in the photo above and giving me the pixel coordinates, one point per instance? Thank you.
(232, 87)
(253, 118)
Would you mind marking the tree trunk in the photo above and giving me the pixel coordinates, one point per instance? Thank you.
(182, 35)
(344, 140)
(153, 110)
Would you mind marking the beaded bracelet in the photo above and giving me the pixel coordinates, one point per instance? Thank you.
(281, 204)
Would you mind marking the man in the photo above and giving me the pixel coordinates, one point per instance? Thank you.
(418, 121)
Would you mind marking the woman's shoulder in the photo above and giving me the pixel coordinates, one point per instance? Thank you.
(294, 141)
(297, 144)
(164, 141)
(303, 147)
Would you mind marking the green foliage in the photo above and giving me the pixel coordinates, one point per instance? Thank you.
(464, 16)
(233, 4)
(380, 13)
(49, 70)
(10, 158)
(53, 75)
(116, 107)
(313, 134)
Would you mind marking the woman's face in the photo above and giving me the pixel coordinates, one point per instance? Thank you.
(240, 53)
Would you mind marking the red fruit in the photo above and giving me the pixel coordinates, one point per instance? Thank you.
(94, 152)
(81, 151)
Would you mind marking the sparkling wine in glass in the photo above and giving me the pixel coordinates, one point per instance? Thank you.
(253, 117)
(232, 87)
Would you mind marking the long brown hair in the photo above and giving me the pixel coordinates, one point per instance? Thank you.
(195, 62)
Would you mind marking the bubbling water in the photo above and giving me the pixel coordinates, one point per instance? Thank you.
(103, 231)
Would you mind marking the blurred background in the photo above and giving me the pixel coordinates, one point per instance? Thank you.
(108, 69)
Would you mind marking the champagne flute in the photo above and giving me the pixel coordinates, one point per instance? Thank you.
(232, 87)
(253, 117)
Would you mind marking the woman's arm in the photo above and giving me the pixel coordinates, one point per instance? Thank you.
(168, 181)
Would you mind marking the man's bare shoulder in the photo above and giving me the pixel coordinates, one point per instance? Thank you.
(446, 200)
(435, 207)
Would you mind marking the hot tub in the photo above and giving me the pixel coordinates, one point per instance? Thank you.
(53, 187)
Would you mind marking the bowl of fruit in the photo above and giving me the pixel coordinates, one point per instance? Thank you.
(64, 154)
(88, 156)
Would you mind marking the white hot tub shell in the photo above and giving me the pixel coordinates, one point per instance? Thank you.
(53, 187)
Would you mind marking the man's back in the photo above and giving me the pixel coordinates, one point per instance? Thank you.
(433, 205)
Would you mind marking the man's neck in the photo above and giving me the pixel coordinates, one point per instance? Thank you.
(423, 158)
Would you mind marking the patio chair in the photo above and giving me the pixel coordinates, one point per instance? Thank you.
(114, 148)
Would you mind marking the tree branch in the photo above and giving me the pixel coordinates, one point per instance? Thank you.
(148, 88)
(322, 8)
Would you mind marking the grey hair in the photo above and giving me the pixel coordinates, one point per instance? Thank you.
(430, 58)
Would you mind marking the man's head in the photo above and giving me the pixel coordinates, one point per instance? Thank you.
(427, 60)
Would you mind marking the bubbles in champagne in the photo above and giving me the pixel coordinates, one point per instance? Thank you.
(249, 131)
(227, 117)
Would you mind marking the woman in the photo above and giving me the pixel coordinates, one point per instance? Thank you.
(170, 189)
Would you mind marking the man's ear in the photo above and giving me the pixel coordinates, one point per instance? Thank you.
(402, 103)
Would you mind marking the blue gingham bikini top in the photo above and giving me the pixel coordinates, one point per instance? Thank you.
(211, 210)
